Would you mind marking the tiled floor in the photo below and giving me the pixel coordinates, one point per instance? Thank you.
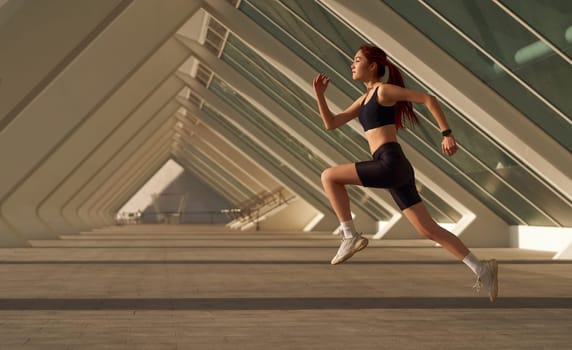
(191, 287)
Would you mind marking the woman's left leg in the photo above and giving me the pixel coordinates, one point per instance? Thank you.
(420, 218)
(486, 271)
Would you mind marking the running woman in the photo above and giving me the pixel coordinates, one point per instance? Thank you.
(382, 110)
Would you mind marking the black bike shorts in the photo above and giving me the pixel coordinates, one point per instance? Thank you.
(390, 169)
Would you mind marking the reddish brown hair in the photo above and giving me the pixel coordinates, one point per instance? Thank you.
(404, 109)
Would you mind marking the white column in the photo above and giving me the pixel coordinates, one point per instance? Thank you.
(121, 113)
(117, 53)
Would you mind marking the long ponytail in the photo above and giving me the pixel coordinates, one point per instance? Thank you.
(404, 109)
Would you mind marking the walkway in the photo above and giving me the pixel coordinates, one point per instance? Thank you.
(198, 287)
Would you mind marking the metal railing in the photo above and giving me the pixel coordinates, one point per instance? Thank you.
(173, 217)
(255, 209)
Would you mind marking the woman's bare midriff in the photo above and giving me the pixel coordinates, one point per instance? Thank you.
(379, 136)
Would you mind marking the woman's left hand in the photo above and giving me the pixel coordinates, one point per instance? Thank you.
(448, 145)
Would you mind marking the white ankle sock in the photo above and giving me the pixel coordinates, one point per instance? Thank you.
(473, 263)
(348, 229)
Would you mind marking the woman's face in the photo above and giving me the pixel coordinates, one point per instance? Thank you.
(361, 68)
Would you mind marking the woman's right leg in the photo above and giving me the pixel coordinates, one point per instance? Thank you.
(334, 180)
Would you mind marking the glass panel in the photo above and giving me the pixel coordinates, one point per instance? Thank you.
(213, 49)
(551, 18)
(551, 76)
(217, 27)
(301, 39)
(510, 43)
(214, 38)
(308, 12)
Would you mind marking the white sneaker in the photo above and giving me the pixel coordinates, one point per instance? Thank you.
(349, 247)
(489, 279)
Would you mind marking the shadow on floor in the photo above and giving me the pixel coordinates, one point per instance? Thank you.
(272, 262)
(229, 304)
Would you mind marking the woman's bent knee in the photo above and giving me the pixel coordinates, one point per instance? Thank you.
(340, 175)
(327, 176)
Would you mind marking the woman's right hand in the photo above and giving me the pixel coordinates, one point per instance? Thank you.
(321, 82)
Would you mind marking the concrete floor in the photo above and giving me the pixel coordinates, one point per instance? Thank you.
(195, 287)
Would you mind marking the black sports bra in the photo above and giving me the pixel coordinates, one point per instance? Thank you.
(373, 115)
